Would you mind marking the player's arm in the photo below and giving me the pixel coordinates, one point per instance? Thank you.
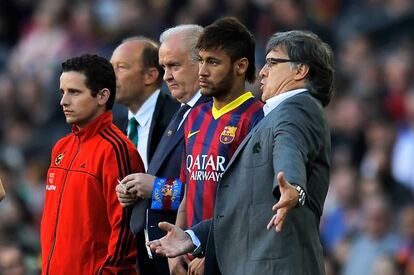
(181, 219)
(295, 142)
(118, 260)
(179, 264)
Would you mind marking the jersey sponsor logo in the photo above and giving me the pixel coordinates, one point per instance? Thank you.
(205, 167)
(50, 180)
(50, 187)
(190, 134)
(228, 134)
(59, 158)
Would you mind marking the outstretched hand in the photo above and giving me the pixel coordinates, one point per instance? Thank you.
(175, 243)
(289, 197)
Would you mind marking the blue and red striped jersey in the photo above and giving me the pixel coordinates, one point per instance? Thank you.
(211, 138)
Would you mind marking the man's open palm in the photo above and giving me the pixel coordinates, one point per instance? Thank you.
(175, 243)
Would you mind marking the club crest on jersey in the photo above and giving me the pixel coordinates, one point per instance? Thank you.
(51, 178)
(228, 134)
(167, 190)
(59, 158)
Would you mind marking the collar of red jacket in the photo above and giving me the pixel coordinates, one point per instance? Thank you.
(93, 128)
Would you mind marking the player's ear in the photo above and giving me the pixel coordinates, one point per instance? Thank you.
(302, 71)
(103, 96)
(151, 76)
(241, 66)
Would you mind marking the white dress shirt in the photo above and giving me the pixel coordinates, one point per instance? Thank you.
(190, 103)
(273, 102)
(144, 118)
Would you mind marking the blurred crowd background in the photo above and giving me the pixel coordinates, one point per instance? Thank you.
(368, 222)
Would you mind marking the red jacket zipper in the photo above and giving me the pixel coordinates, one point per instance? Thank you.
(57, 216)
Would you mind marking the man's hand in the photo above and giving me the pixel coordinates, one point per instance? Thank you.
(175, 243)
(141, 184)
(289, 197)
(178, 265)
(196, 267)
(125, 198)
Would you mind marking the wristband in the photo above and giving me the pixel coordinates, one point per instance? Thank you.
(166, 194)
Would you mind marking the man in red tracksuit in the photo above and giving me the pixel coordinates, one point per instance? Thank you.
(84, 229)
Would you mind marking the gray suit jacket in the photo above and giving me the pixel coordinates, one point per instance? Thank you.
(293, 138)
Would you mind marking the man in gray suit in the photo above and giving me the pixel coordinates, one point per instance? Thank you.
(282, 166)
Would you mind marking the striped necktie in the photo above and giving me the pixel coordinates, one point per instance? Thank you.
(133, 130)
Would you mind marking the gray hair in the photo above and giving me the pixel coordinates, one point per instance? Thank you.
(305, 47)
(189, 34)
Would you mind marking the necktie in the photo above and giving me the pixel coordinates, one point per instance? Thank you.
(177, 118)
(133, 130)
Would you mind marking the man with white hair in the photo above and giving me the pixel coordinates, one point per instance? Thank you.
(178, 57)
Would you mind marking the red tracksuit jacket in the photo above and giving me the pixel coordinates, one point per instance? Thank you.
(84, 228)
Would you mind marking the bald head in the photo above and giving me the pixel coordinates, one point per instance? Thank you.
(137, 70)
(143, 50)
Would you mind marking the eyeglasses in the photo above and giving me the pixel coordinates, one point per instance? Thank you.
(274, 61)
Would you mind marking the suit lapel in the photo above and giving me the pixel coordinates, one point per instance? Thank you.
(244, 142)
(160, 155)
(251, 133)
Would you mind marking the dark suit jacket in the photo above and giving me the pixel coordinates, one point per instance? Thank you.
(165, 107)
(293, 138)
(165, 163)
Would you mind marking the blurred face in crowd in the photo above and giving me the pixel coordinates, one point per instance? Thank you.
(278, 75)
(216, 74)
(79, 106)
(11, 261)
(181, 72)
(407, 222)
(376, 218)
(130, 74)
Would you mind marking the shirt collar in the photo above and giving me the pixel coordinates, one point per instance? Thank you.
(144, 114)
(273, 102)
(231, 106)
(94, 127)
(194, 99)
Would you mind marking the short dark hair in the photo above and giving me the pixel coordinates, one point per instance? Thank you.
(230, 35)
(98, 72)
(307, 48)
(149, 55)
